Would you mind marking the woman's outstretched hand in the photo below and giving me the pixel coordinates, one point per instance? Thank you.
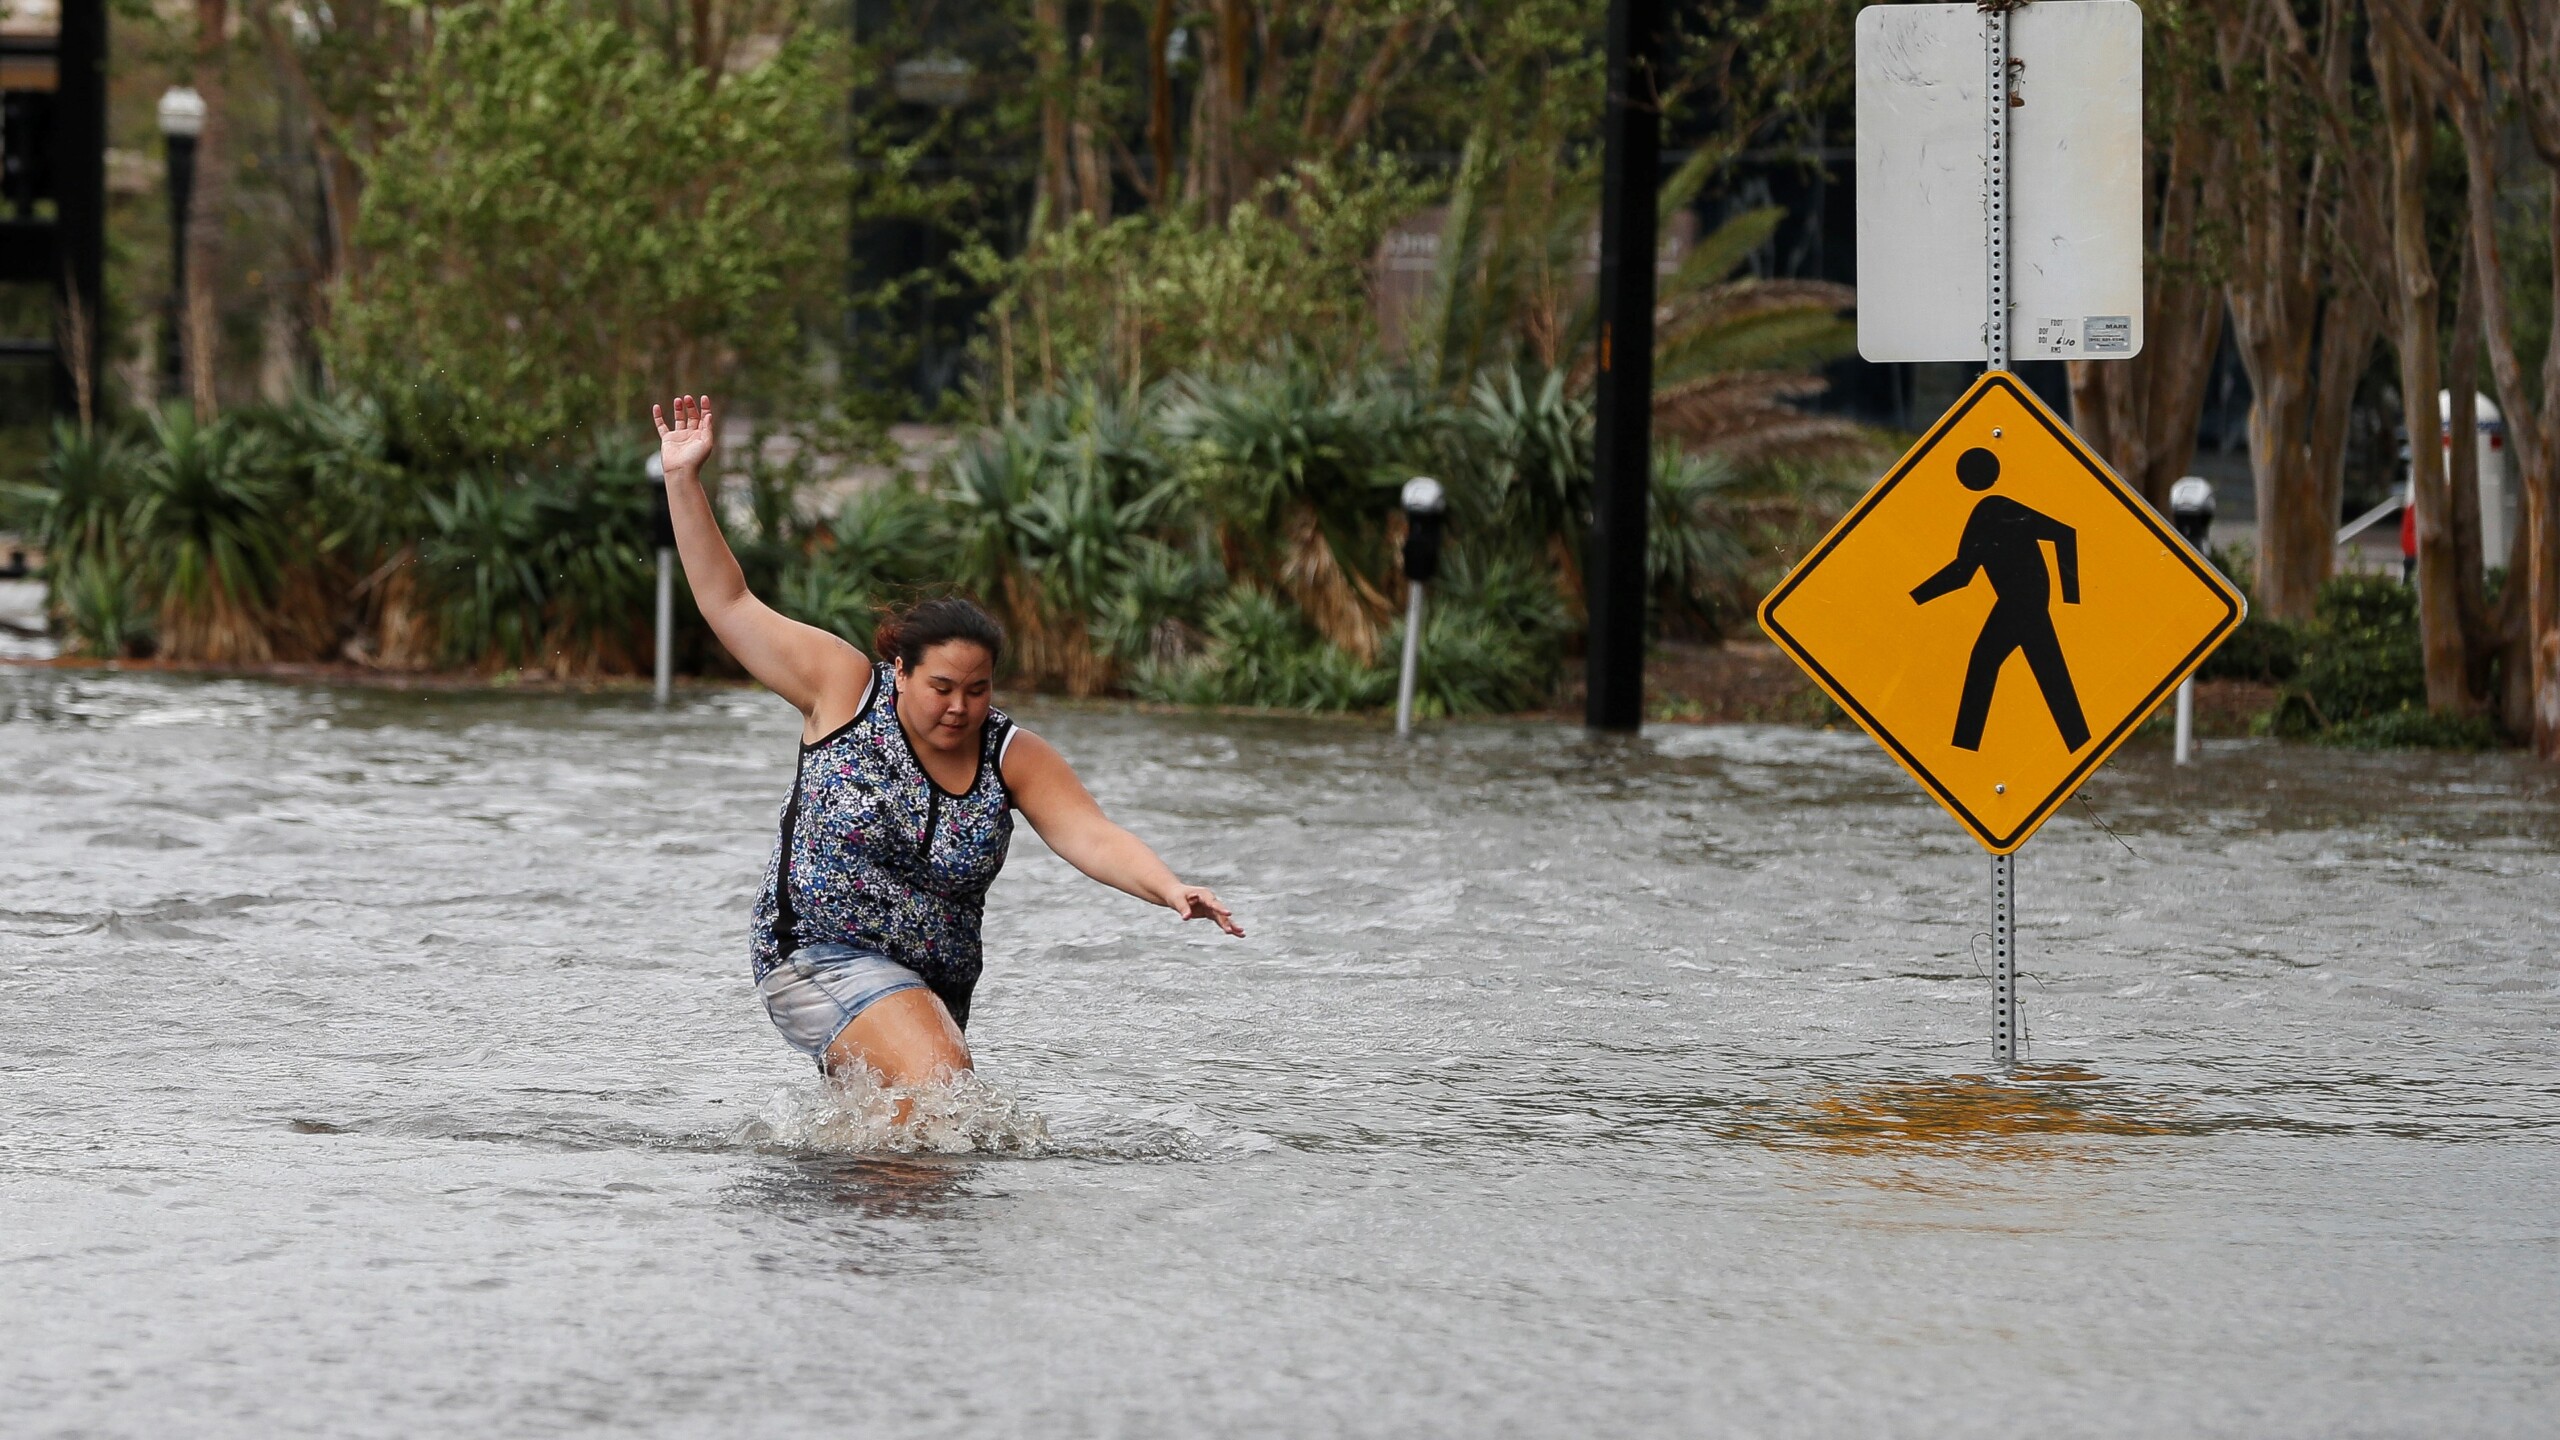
(1199, 902)
(684, 445)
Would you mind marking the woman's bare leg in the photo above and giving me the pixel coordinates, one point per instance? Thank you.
(906, 1038)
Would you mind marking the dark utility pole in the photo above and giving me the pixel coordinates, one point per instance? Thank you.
(53, 146)
(1623, 460)
(80, 202)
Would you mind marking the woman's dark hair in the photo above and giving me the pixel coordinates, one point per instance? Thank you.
(904, 635)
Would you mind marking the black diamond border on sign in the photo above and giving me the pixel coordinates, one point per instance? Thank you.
(2233, 610)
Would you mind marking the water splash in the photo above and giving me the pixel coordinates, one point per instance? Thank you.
(971, 1115)
(965, 1114)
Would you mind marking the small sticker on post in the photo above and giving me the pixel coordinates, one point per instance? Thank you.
(2108, 335)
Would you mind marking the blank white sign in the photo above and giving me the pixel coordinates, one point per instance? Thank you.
(2075, 182)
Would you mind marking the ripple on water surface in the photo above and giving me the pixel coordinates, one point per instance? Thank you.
(386, 1063)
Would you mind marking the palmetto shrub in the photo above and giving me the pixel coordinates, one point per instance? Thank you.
(1045, 515)
(76, 514)
(1297, 472)
(1491, 644)
(1492, 636)
(1262, 653)
(481, 561)
(882, 547)
(551, 568)
(210, 530)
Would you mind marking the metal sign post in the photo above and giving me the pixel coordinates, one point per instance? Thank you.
(2004, 959)
(1995, 340)
(1985, 136)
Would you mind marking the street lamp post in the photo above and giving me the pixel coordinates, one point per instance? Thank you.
(181, 122)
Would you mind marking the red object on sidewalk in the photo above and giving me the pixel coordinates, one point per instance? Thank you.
(2409, 530)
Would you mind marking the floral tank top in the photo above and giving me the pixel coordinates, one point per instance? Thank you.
(879, 856)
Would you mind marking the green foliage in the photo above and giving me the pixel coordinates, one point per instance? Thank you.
(882, 546)
(1130, 302)
(1696, 563)
(344, 462)
(2415, 728)
(484, 561)
(2361, 682)
(1267, 442)
(1163, 593)
(1263, 653)
(84, 486)
(109, 616)
(564, 218)
(1045, 513)
(554, 566)
(2363, 657)
(1491, 644)
(1209, 541)
(75, 513)
(1531, 443)
(207, 528)
(1492, 637)
(2263, 649)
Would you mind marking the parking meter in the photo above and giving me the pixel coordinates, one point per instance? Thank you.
(1426, 514)
(2191, 509)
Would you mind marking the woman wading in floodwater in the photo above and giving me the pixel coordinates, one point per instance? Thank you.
(865, 938)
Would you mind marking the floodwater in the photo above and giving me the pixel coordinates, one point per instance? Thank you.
(385, 1064)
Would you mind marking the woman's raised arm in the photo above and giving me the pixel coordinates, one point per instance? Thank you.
(822, 675)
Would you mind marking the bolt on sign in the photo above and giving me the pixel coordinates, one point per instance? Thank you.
(2000, 612)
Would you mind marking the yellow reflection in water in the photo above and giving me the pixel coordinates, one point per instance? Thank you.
(2022, 1115)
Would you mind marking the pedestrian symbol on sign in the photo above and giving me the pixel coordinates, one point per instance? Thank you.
(2005, 541)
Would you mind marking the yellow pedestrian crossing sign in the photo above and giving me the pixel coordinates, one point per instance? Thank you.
(2000, 612)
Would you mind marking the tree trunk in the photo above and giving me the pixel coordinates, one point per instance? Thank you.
(1160, 101)
(1092, 163)
(2481, 630)
(2409, 135)
(2536, 578)
(1222, 101)
(2287, 319)
(2541, 479)
(200, 330)
(1049, 50)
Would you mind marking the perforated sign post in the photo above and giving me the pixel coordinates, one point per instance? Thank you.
(2000, 612)
(2060, 83)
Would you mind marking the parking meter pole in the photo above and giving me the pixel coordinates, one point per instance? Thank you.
(2191, 510)
(663, 525)
(1426, 512)
(666, 624)
(1995, 342)
(1412, 656)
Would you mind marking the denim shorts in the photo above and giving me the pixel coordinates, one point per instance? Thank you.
(814, 992)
